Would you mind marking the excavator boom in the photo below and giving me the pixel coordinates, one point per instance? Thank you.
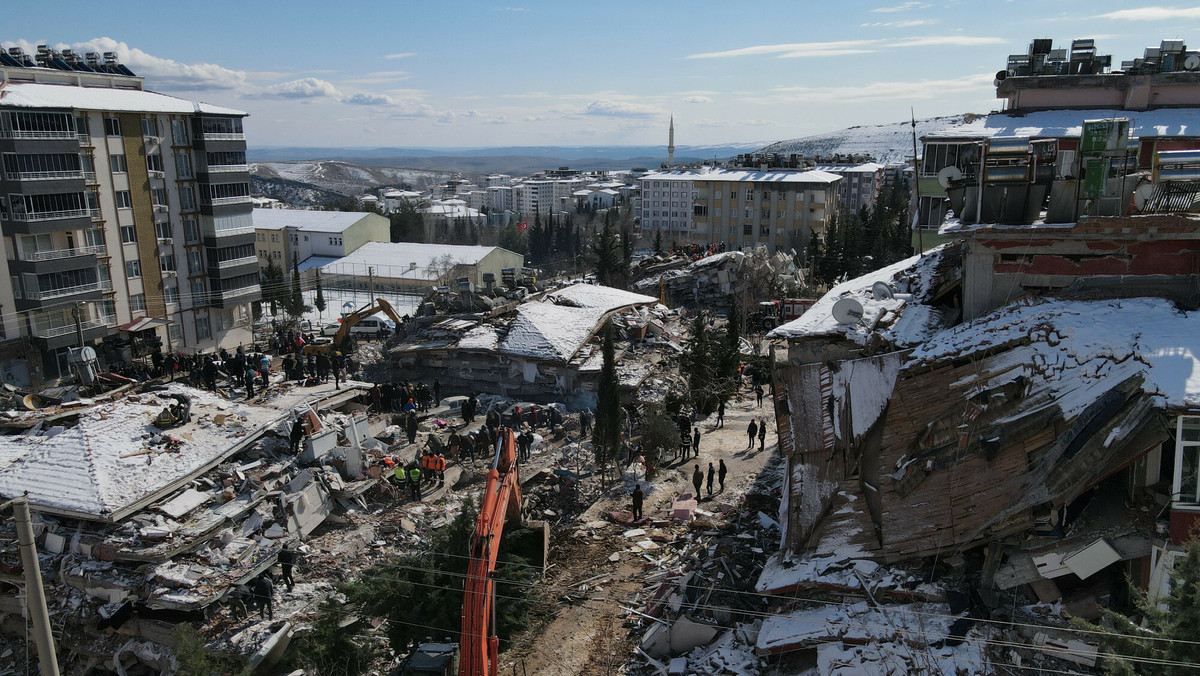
(348, 322)
(501, 501)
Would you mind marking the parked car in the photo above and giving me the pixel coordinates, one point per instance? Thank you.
(330, 330)
(371, 325)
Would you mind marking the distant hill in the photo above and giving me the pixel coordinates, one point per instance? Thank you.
(885, 142)
(343, 177)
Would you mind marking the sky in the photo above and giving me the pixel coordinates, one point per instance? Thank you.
(516, 73)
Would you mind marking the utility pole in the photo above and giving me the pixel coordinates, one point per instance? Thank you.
(371, 283)
(35, 596)
(77, 312)
(917, 186)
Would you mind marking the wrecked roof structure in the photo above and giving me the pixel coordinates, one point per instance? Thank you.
(540, 350)
(710, 282)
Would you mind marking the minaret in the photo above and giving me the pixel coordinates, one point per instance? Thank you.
(671, 145)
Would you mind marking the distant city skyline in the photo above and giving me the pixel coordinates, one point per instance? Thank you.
(456, 74)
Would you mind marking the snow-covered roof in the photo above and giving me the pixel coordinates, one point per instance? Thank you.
(865, 167)
(305, 220)
(391, 259)
(452, 210)
(80, 469)
(1069, 123)
(41, 95)
(903, 321)
(1080, 349)
(555, 328)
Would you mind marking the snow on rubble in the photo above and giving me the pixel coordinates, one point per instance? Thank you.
(902, 320)
(1080, 348)
(555, 328)
(114, 456)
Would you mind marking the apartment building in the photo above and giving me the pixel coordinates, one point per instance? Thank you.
(667, 205)
(128, 207)
(742, 208)
(860, 185)
(533, 197)
(328, 235)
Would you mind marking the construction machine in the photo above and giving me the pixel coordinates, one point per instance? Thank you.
(501, 501)
(348, 322)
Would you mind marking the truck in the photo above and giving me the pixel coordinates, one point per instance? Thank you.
(430, 659)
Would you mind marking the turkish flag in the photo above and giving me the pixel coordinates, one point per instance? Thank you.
(522, 226)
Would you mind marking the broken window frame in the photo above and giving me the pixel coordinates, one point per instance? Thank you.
(1187, 472)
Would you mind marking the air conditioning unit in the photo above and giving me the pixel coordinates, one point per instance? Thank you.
(162, 208)
(168, 273)
(156, 174)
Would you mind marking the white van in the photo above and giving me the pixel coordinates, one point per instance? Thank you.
(370, 326)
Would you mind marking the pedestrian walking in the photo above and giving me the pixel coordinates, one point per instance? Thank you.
(697, 480)
(721, 472)
(696, 441)
(287, 560)
(712, 472)
(721, 413)
(638, 498)
(762, 435)
(751, 431)
(264, 595)
(758, 392)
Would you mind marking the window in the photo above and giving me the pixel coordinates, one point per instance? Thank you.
(94, 237)
(133, 269)
(202, 330)
(81, 128)
(117, 162)
(163, 230)
(128, 234)
(198, 292)
(187, 198)
(183, 165)
(766, 212)
(765, 231)
(717, 194)
(171, 295)
(149, 127)
(176, 332)
(716, 212)
(159, 196)
(112, 126)
(154, 162)
(166, 262)
(747, 229)
(137, 302)
(334, 241)
(195, 263)
(124, 201)
(749, 195)
(191, 230)
(1187, 460)
(732, 194)
(179, 135)
(749, 212)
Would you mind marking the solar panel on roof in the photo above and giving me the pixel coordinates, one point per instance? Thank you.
(60, 64)
(125, 71)
(7, 60)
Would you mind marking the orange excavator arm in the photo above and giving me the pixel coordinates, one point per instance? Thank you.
(480, 647)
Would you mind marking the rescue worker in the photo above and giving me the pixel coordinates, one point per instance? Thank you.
(410, 427)
(697, 480)
(414, 482)
(264, 595)
(721, 472)
(441, 469)
(638, 498)
(287, 559)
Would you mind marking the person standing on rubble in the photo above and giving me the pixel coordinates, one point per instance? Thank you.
(296, 435)
(437, 393)
(410, 427)
(248, 379)
(696, 441)
(712, 472)
(697, 480)
(585, 422)
(287, 560)
(264, 595)
(638, 498)
(721, 472)
(762, 435)
(751, 431)
(721, 413)
(414, 482)
(337, 374)
(210, 375)
(758, 392)
(441, 470)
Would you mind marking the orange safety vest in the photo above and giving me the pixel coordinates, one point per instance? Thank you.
(426, 462)
(441, 464)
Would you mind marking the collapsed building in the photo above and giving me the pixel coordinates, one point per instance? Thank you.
(1023, 399)
(541, 350)
(713, 281)
(152, 505)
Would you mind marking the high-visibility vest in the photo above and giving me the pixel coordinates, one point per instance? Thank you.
(399, 472)
(414, 474)
(441, 464)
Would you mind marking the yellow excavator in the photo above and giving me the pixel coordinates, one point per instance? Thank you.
(348, 321)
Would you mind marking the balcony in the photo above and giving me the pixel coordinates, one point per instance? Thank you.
(68, 329)
(224, 201)
(89, 177)
(237, 261)
(47, 294)
(230, 136)
(42, 175)
(234, 296)
(57, 254)
(105, 285)
(85, 139)
(24, 133)
(227, 168)
(35, 216)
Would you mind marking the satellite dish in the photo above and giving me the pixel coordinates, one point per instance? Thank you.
(1142, 195)
(1001, 75)
(88, 353)
(949, 175)
(1192, 62)
(848, 311)
(881, 291)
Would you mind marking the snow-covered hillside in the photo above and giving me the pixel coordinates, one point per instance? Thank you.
(885, 142)
(346, 178)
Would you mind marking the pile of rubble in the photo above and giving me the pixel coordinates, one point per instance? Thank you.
(712, 281)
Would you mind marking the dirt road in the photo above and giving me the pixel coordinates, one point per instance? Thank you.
(578, 629)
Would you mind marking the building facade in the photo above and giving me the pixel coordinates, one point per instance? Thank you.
(119, 204)
(280, 233)
(666, 205)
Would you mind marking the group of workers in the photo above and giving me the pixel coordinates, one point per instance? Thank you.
(430, 467)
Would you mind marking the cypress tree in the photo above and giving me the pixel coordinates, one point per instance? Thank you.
(319, 300)
(606, 437)
(296, 301)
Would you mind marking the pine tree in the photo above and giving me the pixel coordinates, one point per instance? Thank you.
(272, 286)
(606, 435)
(607, 252)
(319, 300)
(697, 366)
(729, 354)
(658, 243)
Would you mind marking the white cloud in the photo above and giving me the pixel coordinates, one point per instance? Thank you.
(379, 77)
(902, 7)
(369, 100)
(698, 99)
(906, 23)
(1152, 14)
(797, 50)
(400, 55)
(304, 88)
(160, 73)
(620, 109)
(885, 91)
(516, 9)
